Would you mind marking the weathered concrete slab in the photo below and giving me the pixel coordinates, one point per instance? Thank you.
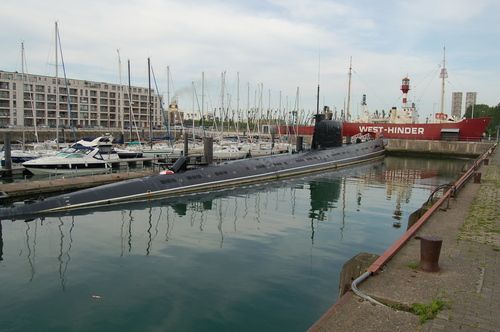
(30, 188)
(452, 148)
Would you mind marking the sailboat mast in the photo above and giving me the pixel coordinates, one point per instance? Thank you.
(57, 91)
(278, 117)
(248, 108)
(348, 110)
(238, 103)
(443, 75)
(203, 101)
(268, 115)
(149, 104)
(24, 69)
(168, 99)
(121, 90)
(129, 101)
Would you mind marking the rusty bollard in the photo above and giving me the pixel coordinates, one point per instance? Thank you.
(430, 248)
(477, 177)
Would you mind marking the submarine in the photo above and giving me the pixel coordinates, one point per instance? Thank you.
(327, 153)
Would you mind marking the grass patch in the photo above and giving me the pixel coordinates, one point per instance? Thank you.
(413, 265)
(427, 311)
(482, 222)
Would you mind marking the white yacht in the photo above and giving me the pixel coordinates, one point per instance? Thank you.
(108, 151)
(77, 159)
(18, 157)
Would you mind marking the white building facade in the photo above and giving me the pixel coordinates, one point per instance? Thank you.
(28, 99)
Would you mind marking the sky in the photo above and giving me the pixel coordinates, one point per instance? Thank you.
(274, 46)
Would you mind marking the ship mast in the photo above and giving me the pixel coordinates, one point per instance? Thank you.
(348, 113)
(443, 75)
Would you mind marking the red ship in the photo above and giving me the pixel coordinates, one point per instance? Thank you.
(463, 130)
(403, 123)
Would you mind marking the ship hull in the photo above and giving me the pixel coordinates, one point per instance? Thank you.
(467, 129)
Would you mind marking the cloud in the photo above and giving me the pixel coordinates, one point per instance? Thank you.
(274, 42)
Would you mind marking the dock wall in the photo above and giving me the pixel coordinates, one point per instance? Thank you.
(445, 148)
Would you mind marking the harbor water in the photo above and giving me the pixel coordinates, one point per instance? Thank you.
(257, 258)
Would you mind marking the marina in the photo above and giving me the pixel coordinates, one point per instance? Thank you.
(249, 166)
(211, 261)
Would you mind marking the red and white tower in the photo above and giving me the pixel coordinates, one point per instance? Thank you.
(405, 87)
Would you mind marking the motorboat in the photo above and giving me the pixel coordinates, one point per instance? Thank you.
(109, 151)
(18, 157)
(77, 159)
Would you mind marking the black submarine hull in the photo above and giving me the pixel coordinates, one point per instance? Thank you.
(227, 175)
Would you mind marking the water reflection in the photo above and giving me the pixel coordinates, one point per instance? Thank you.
(1, 242)
(323, 195)
(64, 257)
(399, 177)
(281, 243)
(31, 253)
(150, 225)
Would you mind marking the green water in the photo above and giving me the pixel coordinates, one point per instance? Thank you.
(259, 258)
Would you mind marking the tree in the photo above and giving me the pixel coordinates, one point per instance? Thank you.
(481, 111)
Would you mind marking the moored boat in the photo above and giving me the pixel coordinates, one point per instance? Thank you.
(77, 159)
(403, 123)
(328, 154)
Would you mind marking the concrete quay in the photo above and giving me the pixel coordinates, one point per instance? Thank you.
(43, 187)
(468, 281)
(443, 148)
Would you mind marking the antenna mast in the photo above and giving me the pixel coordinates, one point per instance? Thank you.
(443, 75)
(348, 112)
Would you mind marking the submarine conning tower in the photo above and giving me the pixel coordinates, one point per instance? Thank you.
(327, 133)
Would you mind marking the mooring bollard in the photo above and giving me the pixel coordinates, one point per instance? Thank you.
(477, 177)
(299, 144)
(430, 248)
(208, 149)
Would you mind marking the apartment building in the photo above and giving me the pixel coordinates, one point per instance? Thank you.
(456, 104)
(49, 102)
(470, 99)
